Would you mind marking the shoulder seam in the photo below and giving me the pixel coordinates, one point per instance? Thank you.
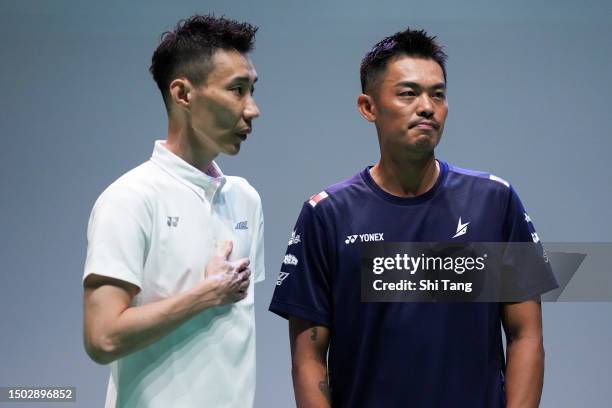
(479, 174)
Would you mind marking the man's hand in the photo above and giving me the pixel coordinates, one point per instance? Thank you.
(112, 328)
(230, 280)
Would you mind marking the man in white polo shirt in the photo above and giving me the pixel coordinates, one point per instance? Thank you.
(173, 245)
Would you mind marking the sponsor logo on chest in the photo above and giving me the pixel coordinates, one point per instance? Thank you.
(172, 221)
(242, 225)
(462, 228)
(370, 237)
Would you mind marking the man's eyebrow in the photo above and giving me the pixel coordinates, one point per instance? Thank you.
(243, 78)
(409, 84)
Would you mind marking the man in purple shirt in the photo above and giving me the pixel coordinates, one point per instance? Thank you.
(349, 353)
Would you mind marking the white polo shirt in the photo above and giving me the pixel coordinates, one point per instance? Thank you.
(157, 227)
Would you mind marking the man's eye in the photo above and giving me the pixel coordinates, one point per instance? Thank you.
(440, 95)
(238, 91)
(408, 93)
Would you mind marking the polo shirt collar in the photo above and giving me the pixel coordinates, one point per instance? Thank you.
(209, 180)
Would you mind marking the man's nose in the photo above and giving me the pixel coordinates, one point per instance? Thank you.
(425, 106)
(251, 111)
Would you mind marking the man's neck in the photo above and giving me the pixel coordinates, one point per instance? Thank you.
(406, 178)
(180, 141)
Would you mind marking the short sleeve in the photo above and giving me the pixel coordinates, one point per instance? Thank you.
(517, 223)
(528, 271)
(257, 247)
(117, 235)
(303, 286)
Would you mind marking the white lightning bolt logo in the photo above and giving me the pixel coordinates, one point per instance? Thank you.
(461, 229)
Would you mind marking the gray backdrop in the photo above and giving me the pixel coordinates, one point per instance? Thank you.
(528, 96)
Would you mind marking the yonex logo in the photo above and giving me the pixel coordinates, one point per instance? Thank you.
(461, 228)
(527, 218)
(281, 277)
(373, 237)
(242, 225)
(172, 221)
(290, 260)
(350, 239)
(535, 237)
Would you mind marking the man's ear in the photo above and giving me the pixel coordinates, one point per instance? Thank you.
(180, 92)
(366, 107)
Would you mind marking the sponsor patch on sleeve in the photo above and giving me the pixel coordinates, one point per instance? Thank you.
(314, 200)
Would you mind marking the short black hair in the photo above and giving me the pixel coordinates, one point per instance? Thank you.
(187, 50)
(412, 43)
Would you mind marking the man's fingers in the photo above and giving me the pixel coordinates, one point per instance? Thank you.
(246, 274)
(243, 286)
(241, 264)
(226, 250)
(244, 277)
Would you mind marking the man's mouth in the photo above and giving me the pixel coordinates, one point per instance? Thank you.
(242, 134)
(425, 124)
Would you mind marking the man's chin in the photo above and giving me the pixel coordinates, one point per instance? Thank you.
(424, 146)
(232, 150)
(415, 149)
(425, 142)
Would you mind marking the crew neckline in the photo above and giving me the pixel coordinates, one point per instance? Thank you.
(367, 178)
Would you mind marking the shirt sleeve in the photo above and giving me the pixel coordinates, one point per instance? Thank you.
(527, 271)
(117, 236)
(303, 284)
(257, 247)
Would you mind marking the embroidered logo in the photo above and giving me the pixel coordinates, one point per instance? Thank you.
(290, 260)
(377, 236)
(461, 228)
(350, 239)
(242, 225)
(281, 277)
(172, 221)
(294, 239)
